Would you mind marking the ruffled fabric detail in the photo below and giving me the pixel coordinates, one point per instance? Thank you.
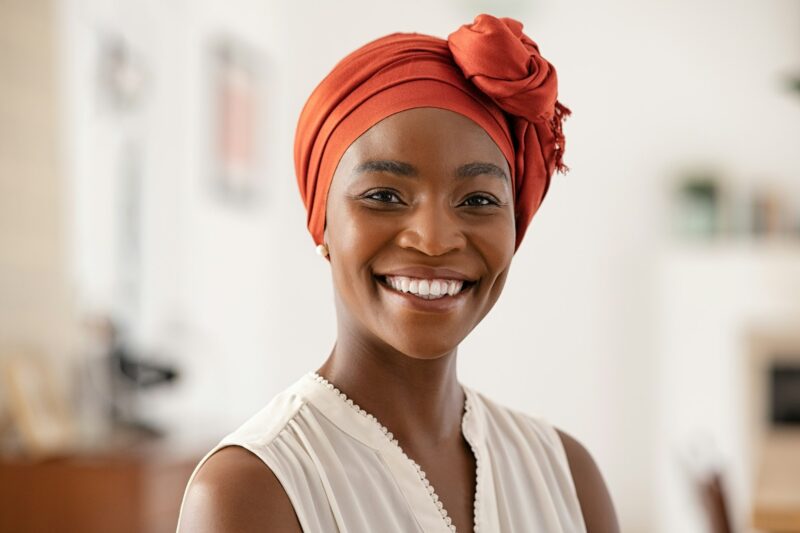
(505, 64)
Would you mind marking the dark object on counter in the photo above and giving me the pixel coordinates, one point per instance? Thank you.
(130, 375)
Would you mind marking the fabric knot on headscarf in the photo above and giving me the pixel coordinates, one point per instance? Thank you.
(488, 71)
(506, 65)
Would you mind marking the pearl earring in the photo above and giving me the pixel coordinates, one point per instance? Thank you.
(322, 250)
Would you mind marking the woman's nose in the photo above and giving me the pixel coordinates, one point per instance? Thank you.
(433, 229)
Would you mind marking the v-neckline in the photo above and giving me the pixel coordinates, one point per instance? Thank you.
(387, 442)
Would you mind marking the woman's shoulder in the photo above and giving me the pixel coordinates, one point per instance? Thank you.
(239, 482)
(499, 421)
(561, 450)
(596, 504)
(268, 422)
(234, 491)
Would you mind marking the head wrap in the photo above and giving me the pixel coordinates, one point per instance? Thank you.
(488, 71)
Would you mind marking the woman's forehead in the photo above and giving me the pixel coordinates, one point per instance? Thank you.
(423, 137)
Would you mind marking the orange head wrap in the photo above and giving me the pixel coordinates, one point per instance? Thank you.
(488, 71)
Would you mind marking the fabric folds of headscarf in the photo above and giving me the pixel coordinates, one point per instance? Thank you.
(488, 71)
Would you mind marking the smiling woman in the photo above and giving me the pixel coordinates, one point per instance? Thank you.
(441, 212)
(421, 163)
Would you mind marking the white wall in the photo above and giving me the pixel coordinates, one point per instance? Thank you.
(653, 86)
(36, 313)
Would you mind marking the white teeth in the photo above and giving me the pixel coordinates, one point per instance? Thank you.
(413, 286)
(435, 291)
(424, 287)
(428, 289)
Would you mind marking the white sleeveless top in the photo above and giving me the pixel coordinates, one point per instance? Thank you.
(344, 472)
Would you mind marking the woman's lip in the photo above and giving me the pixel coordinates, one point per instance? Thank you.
(427, 273)
(438, 305)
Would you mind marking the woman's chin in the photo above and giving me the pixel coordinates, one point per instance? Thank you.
(426, 350)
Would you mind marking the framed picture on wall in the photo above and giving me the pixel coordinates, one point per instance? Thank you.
(237, 107)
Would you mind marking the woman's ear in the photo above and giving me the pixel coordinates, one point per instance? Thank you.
(323, 248)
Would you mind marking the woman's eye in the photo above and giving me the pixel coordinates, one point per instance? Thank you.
(384, 196)
(479, 200)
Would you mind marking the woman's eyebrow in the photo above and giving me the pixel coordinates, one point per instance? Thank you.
(400, 168)
(470, 170)
(385, 165)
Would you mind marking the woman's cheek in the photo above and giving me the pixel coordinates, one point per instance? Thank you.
(369, 229)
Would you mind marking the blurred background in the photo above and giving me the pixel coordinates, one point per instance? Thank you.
(158, 285)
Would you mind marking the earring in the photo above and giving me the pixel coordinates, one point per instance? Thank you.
(322, 250)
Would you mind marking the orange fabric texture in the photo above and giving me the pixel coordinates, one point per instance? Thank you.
(488, 71)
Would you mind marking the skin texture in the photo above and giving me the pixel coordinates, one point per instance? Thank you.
(444, 200)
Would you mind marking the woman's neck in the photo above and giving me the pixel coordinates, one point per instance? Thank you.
(419, 400)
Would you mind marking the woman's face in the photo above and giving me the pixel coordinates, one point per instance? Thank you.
(420, 229)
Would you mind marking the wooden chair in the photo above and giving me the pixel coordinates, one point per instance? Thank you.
(714, 502)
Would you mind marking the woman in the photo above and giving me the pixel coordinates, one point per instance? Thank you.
(421, 162)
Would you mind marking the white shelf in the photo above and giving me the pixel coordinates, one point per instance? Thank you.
(735, 246)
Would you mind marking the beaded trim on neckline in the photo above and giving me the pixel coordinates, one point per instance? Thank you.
(420, 472)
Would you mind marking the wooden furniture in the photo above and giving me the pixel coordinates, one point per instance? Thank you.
(776, 500)
(715, 503)
(127, 490)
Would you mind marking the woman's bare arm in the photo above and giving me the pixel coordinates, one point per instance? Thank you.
(596, 505)
(234, 491)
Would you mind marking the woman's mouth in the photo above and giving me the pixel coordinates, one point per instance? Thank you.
(426, 289)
